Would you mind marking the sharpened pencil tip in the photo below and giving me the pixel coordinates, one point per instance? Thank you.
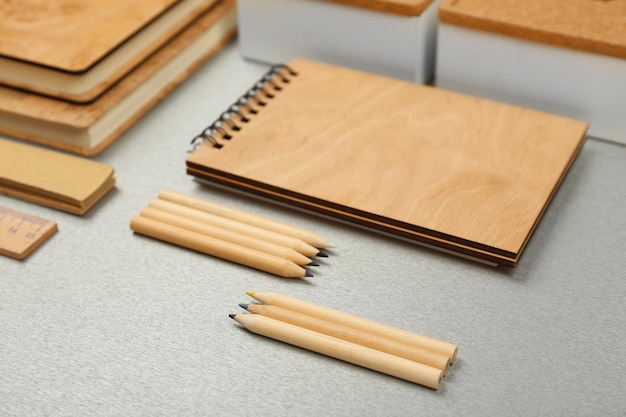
(308, 274)
(250, 293)
(321, 254)
(232, 316)
(312, 263)
(244, 306)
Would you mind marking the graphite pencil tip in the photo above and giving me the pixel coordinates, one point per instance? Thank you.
(244, 306)
(308, 274)
(312, 263)
(322, 254)
(232, 316)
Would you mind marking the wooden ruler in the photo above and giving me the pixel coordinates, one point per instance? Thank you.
(22, 233)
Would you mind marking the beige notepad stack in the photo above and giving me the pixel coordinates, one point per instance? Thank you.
(76, 75)
(51, 178)
(462, 174)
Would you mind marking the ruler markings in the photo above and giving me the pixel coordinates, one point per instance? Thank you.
(21, 233)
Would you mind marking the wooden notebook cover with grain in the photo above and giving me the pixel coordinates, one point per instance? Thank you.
(81, 116)
(71, 35)
(589, 25)
(465, 170)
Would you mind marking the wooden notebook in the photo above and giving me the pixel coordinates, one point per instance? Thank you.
(77, 50)
(87, 129)
(458, 173)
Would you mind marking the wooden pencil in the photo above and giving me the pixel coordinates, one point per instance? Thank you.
(305, 235)
(218, 248)
(383, 344)
(356, 322)
(341, 349)
(227, 235)
(202, 216)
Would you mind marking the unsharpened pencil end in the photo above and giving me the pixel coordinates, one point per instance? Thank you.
(244, 306)
(312, 263)
(322, 254)
(308, 274)
(232, 316)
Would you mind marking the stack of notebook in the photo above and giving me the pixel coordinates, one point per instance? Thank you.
(76, 75)
(462, 174)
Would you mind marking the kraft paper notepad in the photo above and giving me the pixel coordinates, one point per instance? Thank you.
(458, 173)
(53, 179)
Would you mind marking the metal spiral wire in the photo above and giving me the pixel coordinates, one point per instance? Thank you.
(238, 113)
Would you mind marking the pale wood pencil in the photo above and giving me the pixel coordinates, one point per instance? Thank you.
(227, 235)
(303, 234)
(341, 349)
(199, 215)
(393, 347)
(356, 322)
(218, 248)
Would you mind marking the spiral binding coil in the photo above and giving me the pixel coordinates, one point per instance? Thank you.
(271, 80)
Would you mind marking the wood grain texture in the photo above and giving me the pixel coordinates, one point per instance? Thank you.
(401, 7)
(597, 26)
(96, 76)
(71, 35)
(461, 169)
(22, 233)
(77, 118)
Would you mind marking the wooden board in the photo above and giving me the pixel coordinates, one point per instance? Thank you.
(22, 233)
(407, 158)
(80, 70)
(590, 25)
(69, 35)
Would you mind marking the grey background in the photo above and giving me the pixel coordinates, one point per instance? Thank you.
(99, 321)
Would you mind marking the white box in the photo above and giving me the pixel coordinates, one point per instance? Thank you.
(396, 38)
(533, 67)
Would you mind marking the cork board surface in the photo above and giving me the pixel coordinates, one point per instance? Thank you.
(401, 7)
(69, 35)
(597, 26)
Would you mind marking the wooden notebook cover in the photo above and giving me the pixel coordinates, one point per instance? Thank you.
(81, 116)
(588, 25)
(52, 178)
(71, 35)
(401, 7)
(461, 169)
(53, 52)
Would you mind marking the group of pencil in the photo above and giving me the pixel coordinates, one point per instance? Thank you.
(231, 234)
(400, 353)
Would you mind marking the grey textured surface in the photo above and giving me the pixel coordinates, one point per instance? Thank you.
(101, 322)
